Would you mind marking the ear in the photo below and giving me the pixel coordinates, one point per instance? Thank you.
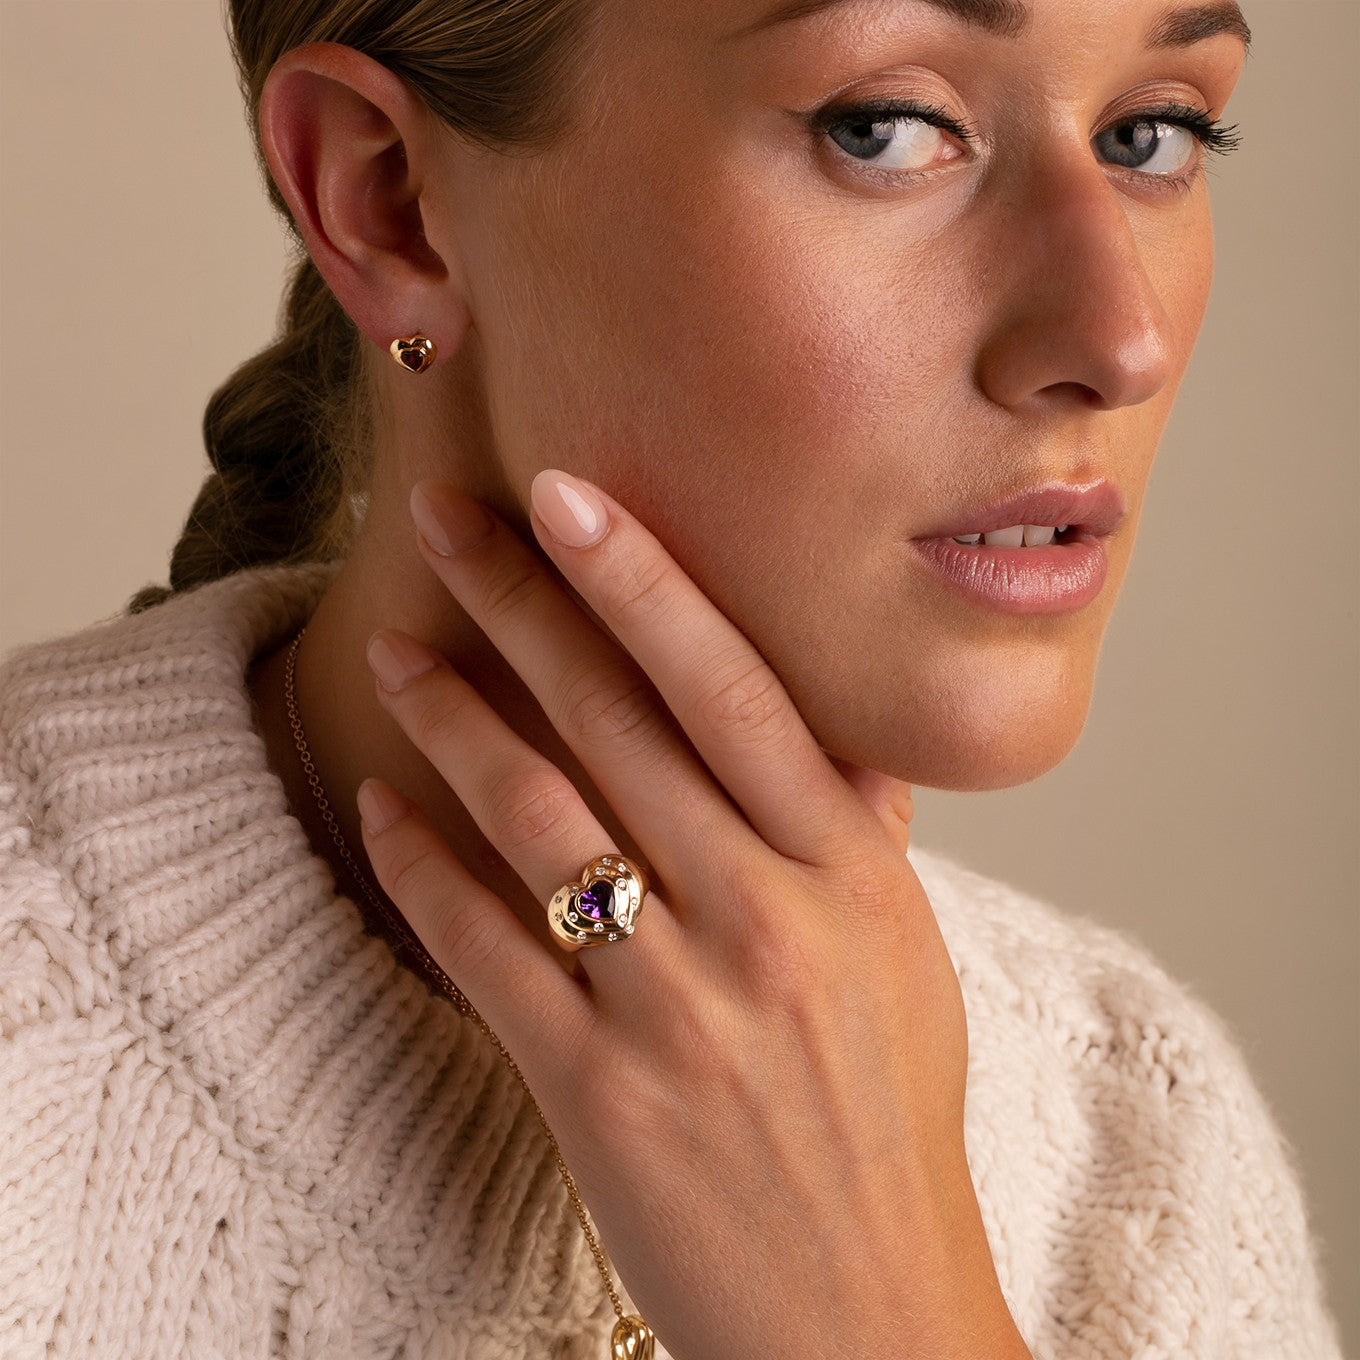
(351, 148)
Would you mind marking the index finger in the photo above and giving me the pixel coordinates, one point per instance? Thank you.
(725, 695)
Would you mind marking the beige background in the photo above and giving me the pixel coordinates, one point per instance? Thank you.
(1211, 805)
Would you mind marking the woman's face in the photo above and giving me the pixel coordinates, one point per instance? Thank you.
(791, 347)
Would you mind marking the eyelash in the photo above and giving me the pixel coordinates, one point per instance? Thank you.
(1212, 135)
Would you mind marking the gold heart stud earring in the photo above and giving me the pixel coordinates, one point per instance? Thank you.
(414, 353)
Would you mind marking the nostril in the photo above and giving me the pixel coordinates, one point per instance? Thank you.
(1079, 394)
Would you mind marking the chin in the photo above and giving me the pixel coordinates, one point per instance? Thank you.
(980, 772)
(969, 739)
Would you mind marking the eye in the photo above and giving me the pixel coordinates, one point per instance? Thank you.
(1155, 148)
(908, 138)
(894, 136)
(1161, 142)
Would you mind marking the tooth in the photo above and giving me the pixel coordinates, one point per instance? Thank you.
(968, 538)
(1038, 535)
(1014, 537)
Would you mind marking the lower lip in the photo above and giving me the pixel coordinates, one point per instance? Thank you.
(1050, 580)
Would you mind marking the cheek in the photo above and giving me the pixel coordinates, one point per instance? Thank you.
(714, 358)
(1177, 253)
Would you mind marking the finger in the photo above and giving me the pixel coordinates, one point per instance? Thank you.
(596, 696)
(522, 803)
(488, 953)
(725, 695)
(889, 798)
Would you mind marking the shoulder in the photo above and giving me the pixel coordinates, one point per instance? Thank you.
(1063, 996)
(1071, 975)
(123, 747)
(101, 720)
(103, 684)
(1134, 1180)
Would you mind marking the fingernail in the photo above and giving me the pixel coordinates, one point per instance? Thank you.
(450, 521)
(379, 806)
(574, 514)
(397, 659)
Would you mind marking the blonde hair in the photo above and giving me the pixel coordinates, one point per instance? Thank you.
(288, 433)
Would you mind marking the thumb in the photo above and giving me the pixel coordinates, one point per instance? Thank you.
(890, 799)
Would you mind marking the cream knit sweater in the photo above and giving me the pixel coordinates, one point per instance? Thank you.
(231, 1127)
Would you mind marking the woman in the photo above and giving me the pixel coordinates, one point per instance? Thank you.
(732, 318)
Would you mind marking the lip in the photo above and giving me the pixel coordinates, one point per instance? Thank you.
(1055, 579)
(1093, 510)
(1052, 580)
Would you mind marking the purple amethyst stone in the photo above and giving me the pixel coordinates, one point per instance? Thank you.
(597, 901)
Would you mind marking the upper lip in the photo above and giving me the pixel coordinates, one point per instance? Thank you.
(1096, 508)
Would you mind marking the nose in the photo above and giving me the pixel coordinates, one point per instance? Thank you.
(1076, 315)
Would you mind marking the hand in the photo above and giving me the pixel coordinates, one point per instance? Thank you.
(760, 1093)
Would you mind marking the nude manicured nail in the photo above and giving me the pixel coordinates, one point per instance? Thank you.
(396, 659)
(379, 806)
(450, 521)
(574, 514)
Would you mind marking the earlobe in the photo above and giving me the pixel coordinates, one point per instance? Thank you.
(348, 146)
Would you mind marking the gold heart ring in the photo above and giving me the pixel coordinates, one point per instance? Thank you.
(601, 906)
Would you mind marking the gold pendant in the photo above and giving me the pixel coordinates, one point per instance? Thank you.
(633, 1340)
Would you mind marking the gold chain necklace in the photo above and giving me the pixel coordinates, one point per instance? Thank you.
(632, 1338)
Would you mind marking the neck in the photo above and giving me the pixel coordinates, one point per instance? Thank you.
(385, 583)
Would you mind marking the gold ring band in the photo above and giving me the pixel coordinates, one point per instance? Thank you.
(599, 907)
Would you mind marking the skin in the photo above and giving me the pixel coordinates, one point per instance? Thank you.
(778, 371)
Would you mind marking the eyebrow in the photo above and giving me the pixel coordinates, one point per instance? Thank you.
(1181, 27)
(1010, 18)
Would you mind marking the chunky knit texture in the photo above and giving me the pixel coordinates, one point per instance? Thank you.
(232, 1127)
